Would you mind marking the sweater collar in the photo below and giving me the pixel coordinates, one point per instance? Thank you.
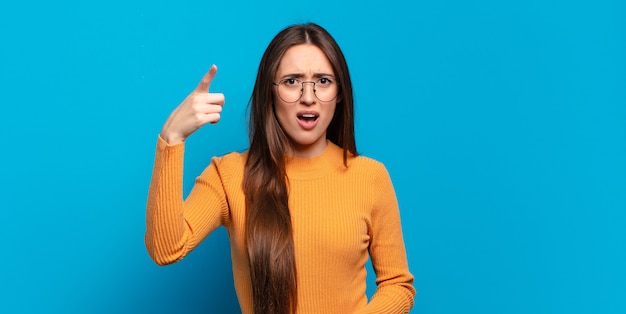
(314, 167)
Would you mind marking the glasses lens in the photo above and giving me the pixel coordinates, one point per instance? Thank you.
(289, 92)
(325, 90)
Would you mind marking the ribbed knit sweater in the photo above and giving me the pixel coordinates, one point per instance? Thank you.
(340, 215)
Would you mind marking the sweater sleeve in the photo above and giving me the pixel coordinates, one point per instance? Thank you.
(175, 226)
(395, 292)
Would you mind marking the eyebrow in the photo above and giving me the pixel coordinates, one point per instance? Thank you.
(301, 75)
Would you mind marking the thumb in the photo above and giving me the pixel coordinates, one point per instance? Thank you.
(205, 83)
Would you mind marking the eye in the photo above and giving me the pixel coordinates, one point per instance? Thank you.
(324, 82)
(291, 82)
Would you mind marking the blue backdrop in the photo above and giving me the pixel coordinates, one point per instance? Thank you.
(502, 124)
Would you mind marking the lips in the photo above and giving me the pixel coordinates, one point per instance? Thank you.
(307, 119)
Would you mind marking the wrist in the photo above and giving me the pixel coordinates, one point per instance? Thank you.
(171, 139)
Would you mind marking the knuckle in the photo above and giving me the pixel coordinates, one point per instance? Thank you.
(196, 107)
(217, 98)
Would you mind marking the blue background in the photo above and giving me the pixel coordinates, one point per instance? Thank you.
(502, 124)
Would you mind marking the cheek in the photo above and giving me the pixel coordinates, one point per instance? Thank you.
(281, 112)
(331, 111)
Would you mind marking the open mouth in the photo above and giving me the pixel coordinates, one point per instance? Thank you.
(308, 117)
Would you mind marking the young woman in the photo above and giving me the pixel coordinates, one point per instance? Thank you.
(303, 211)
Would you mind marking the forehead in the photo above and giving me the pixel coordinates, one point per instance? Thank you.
(304, 59)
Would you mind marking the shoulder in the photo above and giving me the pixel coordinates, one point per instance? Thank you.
(232, 158)
(368, 166)
(229, 165)
(365, 162)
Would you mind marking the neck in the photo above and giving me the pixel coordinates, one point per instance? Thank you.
(307, 151)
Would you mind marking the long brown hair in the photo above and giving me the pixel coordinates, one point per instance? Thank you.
(269, 233)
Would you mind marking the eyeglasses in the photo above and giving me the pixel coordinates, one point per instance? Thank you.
(291, 89)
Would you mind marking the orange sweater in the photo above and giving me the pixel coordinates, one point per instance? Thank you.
(338, 214)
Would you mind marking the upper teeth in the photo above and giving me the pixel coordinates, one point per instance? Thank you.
(308, 115)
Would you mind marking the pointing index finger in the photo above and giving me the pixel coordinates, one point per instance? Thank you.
(205, 83)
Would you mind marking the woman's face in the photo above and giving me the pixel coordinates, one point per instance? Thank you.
(305, 119)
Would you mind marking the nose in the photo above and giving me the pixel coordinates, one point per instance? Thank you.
(308, 94)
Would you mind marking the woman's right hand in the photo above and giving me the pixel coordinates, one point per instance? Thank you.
(199, 108)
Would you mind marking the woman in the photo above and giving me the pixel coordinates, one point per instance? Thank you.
(303, 211)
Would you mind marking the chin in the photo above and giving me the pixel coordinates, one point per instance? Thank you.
(302, 142)
(305, 140)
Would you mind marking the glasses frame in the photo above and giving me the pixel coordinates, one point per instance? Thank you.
(277, 84)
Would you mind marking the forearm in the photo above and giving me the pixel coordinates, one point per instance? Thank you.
(397, 298)
(165, 236)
